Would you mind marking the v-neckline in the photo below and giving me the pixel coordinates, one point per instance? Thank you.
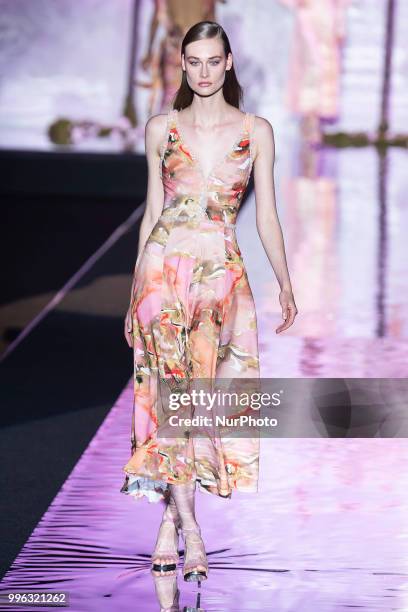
(219, 159)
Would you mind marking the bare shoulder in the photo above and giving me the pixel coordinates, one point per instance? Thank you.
(156, 124)
(263, 135)
(155, 131)
(262, 127)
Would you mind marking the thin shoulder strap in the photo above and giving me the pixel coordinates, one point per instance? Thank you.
(249, 127)
(171, 117)
(169, 124)
(171, 121)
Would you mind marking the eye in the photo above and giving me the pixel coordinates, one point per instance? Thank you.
(212, 62)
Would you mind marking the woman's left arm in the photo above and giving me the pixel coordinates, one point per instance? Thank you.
(267, 222)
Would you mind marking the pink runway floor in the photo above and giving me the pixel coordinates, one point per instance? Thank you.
(328, 530)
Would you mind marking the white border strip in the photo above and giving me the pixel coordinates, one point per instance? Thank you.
(59, 296)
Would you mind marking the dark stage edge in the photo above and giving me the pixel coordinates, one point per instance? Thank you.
(58, 384)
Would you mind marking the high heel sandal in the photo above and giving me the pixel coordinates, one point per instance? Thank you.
(197, 556)
(159, 553)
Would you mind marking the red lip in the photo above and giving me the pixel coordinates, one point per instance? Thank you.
(204, 83)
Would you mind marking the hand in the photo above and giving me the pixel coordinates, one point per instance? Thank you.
(289, 310)
(129, 328)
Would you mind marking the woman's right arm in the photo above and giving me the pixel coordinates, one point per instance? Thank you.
(154, 136)
(155, 133)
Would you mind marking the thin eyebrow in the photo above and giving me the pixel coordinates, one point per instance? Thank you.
(212, 57)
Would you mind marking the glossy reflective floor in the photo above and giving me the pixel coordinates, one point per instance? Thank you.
(328, 530)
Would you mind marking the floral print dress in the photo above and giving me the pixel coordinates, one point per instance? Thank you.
(193, 317)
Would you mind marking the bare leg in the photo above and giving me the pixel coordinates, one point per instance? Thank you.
(171, 512)
(165, 552)
(195, 559)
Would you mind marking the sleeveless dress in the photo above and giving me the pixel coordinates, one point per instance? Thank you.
(193, 317)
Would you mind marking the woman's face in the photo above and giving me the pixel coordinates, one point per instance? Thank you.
(205, 64)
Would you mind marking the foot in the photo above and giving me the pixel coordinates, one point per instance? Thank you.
(165, 555)
(195, 559)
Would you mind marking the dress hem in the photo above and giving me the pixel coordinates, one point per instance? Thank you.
(157, 490)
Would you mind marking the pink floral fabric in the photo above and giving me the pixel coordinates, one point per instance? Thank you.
(193, 318)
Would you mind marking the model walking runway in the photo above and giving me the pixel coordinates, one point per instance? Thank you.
(285, 521)
(194, 317)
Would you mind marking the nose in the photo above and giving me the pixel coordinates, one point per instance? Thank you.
(204, 70)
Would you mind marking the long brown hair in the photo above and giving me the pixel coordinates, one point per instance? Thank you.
(231, 89)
